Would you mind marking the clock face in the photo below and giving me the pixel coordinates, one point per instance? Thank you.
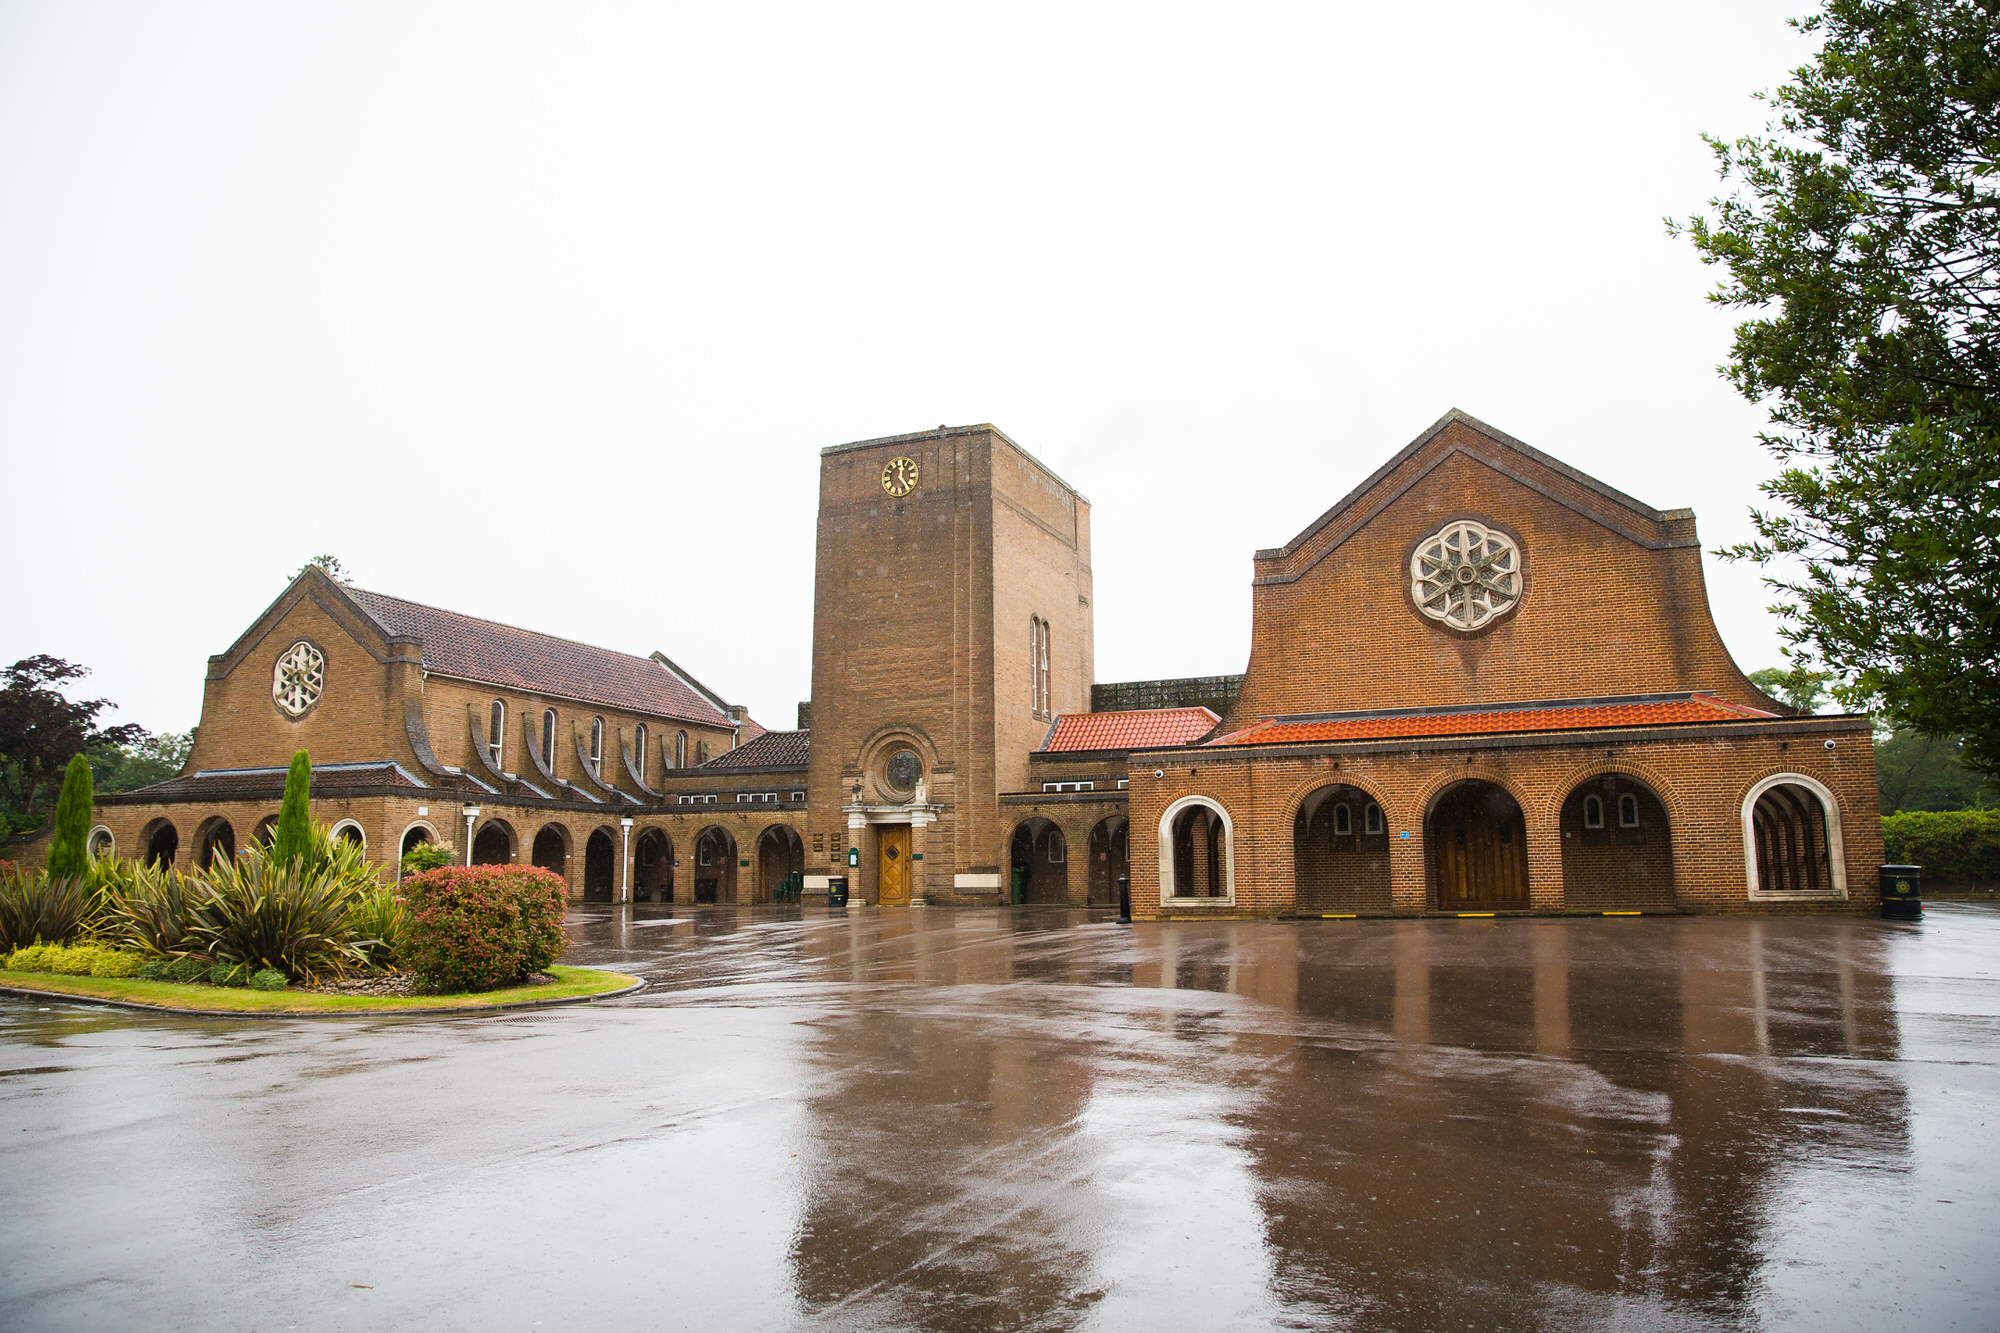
(899, 478)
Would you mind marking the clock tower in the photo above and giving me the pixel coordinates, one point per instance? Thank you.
(951, 622)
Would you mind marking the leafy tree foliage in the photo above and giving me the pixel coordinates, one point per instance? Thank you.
(1919, 772)
(68, 857)
(330, 563)
(41, 730)
(152, 757)
(292, 839)
(1801, 687)
(1865, 237)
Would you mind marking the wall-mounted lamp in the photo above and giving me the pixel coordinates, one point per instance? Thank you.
(1829, 745)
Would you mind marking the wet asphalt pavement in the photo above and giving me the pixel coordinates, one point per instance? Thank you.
(948, 1119)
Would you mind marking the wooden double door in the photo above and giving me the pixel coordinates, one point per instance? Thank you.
(1479, 857)
(892, 872)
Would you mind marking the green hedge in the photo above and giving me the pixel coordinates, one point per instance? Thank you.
(1953, 846)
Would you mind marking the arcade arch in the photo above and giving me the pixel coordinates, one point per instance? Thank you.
(1792, 839)
(714, 866)
(1340, 851)
(550, 851)
(653, 867)
(162, 841)
(600, 866)
(1476, 838)
(1039, 855)
(1110, 860)
(1617, 846)
(781, 854)
(1197, 852)
(214, 837)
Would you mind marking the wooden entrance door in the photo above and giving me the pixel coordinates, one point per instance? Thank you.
(1476, 836)
(892, 880)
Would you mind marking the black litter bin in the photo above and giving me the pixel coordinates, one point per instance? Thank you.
(1902, 892)
(836, 890)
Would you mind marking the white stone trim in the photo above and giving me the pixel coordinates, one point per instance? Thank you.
(334, 832)
(423, 824)
(1836, 852)
(976, 881)
(90, 838)
(1167, 894)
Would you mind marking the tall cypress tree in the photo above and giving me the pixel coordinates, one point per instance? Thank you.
(292, 839)
(68, 857)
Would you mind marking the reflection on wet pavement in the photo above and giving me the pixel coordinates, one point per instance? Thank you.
(1041, 1119)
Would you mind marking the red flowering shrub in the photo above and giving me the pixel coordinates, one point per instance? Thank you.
(477, 927)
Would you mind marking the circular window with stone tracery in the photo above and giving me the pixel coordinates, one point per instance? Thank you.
(1465, 575)
(298, 678)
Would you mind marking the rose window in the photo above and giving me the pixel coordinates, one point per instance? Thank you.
(298, 678)
(1466, 575)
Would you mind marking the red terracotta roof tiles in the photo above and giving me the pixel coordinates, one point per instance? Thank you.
(496, 654)
(1579, 715)
(770, 749)
(1140, 729)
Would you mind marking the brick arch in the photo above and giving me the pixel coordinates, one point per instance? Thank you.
(1791, 770)
(1040, 872)
(1436, 785)
(1305, 787)
(766, 877)
(1573, 777)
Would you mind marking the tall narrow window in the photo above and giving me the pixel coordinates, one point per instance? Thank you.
(1373, 822)
(496, 732)
(1593, 812)
(701, 752)
(1038, 666)
(680, 749)
(1628, 811)
(639, 750)
(597, 742)
(1343, 820)
(548, 738)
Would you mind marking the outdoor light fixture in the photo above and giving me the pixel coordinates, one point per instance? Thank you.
(1829, 745)
(625, 859)
(1159, 772)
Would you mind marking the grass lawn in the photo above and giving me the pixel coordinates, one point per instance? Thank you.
(570, 983)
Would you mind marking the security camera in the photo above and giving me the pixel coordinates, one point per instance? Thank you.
(1159, 772)
(1829, 745)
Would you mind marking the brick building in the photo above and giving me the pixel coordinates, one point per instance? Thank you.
(1482, 682)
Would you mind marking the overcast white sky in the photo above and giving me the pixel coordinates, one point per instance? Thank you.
(542, 313)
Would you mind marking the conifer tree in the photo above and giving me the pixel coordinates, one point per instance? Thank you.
(68, 857)
(292, 839)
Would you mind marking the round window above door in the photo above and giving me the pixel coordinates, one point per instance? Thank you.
(902, 771)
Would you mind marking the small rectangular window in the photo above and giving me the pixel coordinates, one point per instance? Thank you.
(743, 796)
(1124, 783)
(798, 796)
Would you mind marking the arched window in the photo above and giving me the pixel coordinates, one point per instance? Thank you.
(1343, 820)
(1792, 840)
(496, 732)
(680, 749)
(1196, 851)
(701, 752)
(639, 750)
(1628, 811)
(549, 738)
(1593, 811)
(1374, 818)
(597, 742)
(1056, 848)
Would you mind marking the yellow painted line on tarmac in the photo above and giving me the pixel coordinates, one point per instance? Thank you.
(1475, 914)
(1621, 914)
(1336, 916)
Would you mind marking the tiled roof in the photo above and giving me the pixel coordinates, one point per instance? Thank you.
(771, 749)
(520, 659)
(1562, 715)
(1139, 729)
(222, 784)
